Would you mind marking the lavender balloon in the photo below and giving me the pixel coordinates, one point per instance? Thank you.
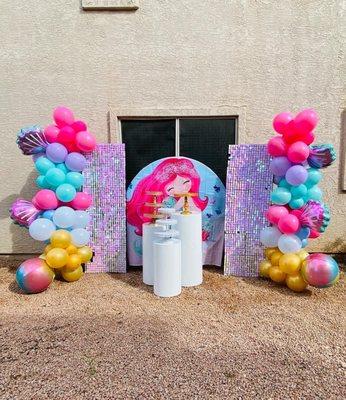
(75, 162)
(279, 165)
(296, 175)
(56, 152)
(23, 212)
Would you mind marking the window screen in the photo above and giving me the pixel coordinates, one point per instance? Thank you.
(146, 141)
(207, 141)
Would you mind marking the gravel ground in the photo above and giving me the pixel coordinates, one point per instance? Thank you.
(109, 337)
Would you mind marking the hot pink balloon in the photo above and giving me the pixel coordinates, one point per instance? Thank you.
(277, 146)
(281, 121)
(314, 234)
(308, 138)
(289, 224)
(298, 152)
(63, 116)
(85, 141)
(66, 135)
(82, 201)
(46, 199)
(274, 213)
(79, 126)
(306, 121)
(51, 132)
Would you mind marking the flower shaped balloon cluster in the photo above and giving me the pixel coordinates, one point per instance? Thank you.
(57, 213)
(297, 212)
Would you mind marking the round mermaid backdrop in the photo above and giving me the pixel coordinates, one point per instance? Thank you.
(177, 175)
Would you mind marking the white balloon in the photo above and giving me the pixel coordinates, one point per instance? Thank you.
(41, 229)
(289, 244)
(269, 236)
(80, 237)
(82, 219)
(64, 217)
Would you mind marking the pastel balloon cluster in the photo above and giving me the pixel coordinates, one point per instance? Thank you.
(297, 212)
(60, 205)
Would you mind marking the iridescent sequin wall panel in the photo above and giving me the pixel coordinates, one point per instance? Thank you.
(104, 179)
(248, 186)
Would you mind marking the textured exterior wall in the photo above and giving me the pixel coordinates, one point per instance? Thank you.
(260, 56)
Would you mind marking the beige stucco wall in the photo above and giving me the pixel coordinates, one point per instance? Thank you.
(260, 57)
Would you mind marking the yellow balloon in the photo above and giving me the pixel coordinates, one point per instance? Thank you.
(268, 252)
(264, 268)
(60, 238)
(290, 263)
(47, 248)
(71, 249)
(73, 261)
(275, 257)
(71, 276)
(276, 274)
(296, 282)
(56, 258)
(302, 254)
(42, 256)
(86, 253)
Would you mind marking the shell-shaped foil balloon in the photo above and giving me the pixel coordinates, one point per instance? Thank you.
(321, 156)
(315, 216)
(32, 140)
(23, 212)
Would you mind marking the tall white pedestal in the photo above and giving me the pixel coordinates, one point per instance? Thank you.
(149, 230)
(189, 227)
(167, 261)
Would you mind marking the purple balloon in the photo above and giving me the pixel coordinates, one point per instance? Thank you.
(280, 165)
(75, 162)
(56, 152)
(296, 175)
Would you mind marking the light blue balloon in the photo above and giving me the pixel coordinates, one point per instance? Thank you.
(41, 229)
(314, 193)
(43, 165)
(64, 217)
(304, 243)
(283, 183)
(281, 196)
(65, 192)
(314, 177)
(55, 177)
(289, 243)
(80, 237)
(298, 191)
(82, 219)
(75, 179)
(48, 214)
(62, 168)
(296, 203)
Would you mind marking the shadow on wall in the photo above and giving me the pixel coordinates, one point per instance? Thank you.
(21, 241)
(342, 154)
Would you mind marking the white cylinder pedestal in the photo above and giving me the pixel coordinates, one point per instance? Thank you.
(149, 230)
(189, 227)
(167, 261)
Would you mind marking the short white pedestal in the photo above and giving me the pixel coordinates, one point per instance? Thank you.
(189, 227)
(149, 230)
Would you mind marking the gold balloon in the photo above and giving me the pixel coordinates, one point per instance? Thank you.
(296, 282)
(47, 248)
(276, 274)
(56, 258)
(60, 238)
(71, 249)
(290, 263)
(86, 253)
(264, 268)
(275, 257)
(268, 252)
(71, 276)
(73, 261)
(302, 254)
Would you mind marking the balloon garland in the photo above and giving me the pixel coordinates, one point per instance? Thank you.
(297, 212)
(57, 213)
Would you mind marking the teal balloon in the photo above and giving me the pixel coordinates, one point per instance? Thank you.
(40, 181)
(63, 168)
(65, 192)
(55, 177)
(314, 193)
(43, 165)
(284, 184)
(296, 203)
(75, 179)
(314, 176)
(298, 191)
(281, 196)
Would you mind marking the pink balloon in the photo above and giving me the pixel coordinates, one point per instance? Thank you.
(46, 199)
(51, 132)
(63, 116)
(34, 202)
(298, 152)
(274, 213)
(288, 224)
(308, 138)
(306, 120)
(281, 121)
(66, 135)
(85, 141)
(82, 201)
(314, 234)
(276, 146)
(79, 126)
